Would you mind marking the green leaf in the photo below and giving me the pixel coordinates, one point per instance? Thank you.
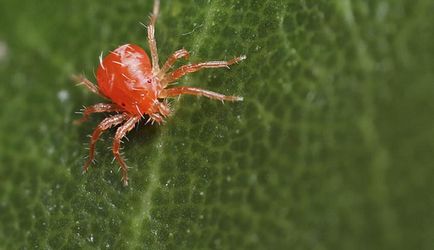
(331, 149)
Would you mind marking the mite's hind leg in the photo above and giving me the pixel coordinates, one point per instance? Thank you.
(151, 37)
(104, 125)
(82, 80)
(172, 92)
(98, 108)
(120, 133)
(190, 68)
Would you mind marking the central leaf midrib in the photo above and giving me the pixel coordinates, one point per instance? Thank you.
(144, 212)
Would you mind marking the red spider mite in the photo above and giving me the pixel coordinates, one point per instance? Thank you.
(136, 87)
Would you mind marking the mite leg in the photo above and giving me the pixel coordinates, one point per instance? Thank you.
(187, 69)
(155, 118)
(162, 111)
(120, 133)
(151, 37)
(104, 125)
(98, 108)
(164, 108)
(82, 80)
(172, 92)
(171, 60)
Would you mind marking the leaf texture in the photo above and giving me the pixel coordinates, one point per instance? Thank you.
(331, 149)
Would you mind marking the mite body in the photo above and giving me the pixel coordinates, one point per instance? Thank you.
(137, 87)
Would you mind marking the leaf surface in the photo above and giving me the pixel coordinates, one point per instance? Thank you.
(331, 149)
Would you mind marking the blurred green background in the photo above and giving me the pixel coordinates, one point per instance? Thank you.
(331, 149)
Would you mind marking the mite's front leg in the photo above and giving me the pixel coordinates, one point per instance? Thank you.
(151, 37)
(172, 92)
(171, 60)
(190, 68)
